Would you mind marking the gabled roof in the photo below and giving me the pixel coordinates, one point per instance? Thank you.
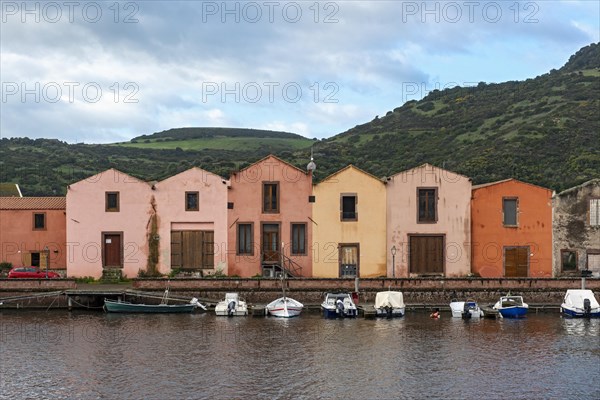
(484, 185)
(91, 178)
(595, 181)
(10, 190)
(432, 167)
(33, 203)
(203, 171)
(351, 166)
(276, 158)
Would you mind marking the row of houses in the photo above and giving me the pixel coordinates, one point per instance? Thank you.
(270, 217)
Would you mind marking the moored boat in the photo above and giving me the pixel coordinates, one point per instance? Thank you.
(580, 303)
(339, 305)
(284, 307)
(127, 307)
(231, 306)
(465, 309)
(511, 306)
(389, 304)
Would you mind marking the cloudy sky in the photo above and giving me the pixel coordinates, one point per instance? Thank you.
(101, 72)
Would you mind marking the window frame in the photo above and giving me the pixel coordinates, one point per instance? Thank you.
(237, 239)
(292, 243)
(45, 221)
(516, 200)
(597, 201)
(118, 200)
(277, 195)
(342, 217)
(562, 268)
(197, 194)
(435, 205)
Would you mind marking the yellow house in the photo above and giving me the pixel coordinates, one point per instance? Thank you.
(349, 225)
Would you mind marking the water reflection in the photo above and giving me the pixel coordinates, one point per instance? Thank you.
(199, 356)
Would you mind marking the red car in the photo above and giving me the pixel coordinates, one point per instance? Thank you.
(31, 272)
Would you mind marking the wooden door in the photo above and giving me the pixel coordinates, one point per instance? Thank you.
(192, 249)
(270, 243)
(349, 260)
(112, 250)
(426, 254)
(516, 261)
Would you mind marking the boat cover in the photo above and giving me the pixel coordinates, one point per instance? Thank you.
(389, 299)
(574, 298)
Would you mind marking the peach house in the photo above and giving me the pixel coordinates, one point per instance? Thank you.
(511, 230)
(349, 225)
(109, 218)
(269, 218)
(191, 212)
(428, 223)
(33, 231)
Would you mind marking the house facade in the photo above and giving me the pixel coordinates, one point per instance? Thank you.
(33, 232)
(576, 229)
(269, 220)
(428, 223)
(349, 230)
(191, 222)
(109, 221)
(511, 230)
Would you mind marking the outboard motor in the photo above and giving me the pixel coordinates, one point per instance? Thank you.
(466, 314)
(339, 304)
(231, 308)
(388, 312)
(587, 308)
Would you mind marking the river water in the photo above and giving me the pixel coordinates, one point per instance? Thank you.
(60, 355)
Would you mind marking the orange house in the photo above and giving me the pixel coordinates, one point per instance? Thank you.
(511, 230)
(33, 231)
(269, 220)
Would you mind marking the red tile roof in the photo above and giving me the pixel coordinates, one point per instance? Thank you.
(33, 203)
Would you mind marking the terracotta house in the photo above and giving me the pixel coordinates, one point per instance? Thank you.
(349, 232)
(33, 231)
(191, 226)
(511, 230)
(576, 228)
(269, 220)
(428, 223)
(109, 218)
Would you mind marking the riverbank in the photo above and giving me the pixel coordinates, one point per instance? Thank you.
(418, 292)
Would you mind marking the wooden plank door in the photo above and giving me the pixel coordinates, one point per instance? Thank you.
(112, 250)
(426, 254)
(516, 262)
(192, 249)
(208, 249)
(270, 242)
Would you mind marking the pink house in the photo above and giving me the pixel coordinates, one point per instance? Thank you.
(191, 210)
(428, 223)
(270, 226)
(32, 232)
(108, 223)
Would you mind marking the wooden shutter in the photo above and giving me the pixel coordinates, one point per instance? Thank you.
(176, 249)
(208, 249)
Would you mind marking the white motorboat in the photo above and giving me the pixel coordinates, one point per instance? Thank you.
(511, 306)
(339, 305)
(465, 309)
(231, 306)
(580, 303)
(284, 307)
(389, 304)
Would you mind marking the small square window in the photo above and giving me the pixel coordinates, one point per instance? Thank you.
(510, 210)
(191, 201)
(112, 201)
(39, 221)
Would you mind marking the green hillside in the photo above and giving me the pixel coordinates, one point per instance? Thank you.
(543, 130)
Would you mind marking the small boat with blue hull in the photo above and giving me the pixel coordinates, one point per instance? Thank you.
(339, 305)
(580, 303)
(511, 306)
